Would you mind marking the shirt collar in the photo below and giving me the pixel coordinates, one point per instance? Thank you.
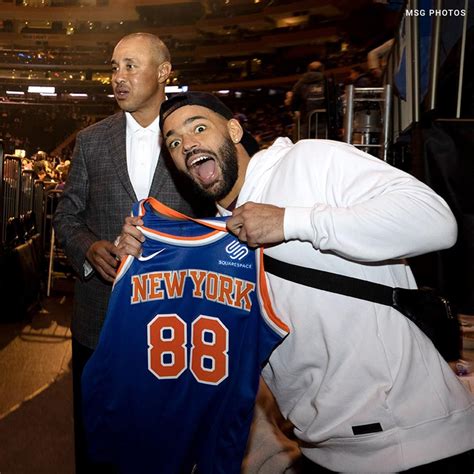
(222, 211)
(133, 126)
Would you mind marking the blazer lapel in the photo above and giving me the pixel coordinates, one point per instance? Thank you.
(161, 175)
(118, 151)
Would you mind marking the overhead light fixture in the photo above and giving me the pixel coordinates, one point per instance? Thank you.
(78, 94)
(41, 89)
(15, 92)
(175, 89)
(292, 21)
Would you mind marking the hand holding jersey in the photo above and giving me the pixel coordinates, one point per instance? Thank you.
(131, 239)
(257, 224)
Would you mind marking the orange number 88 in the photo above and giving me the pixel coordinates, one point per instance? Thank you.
(167, 351)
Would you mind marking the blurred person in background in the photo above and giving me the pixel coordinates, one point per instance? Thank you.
(309, 94)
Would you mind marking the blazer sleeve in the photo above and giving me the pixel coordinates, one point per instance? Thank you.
(69, 224)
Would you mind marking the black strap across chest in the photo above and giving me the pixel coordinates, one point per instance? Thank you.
(341, 284)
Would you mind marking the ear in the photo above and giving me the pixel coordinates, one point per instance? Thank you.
(235, 130)
(164, 71)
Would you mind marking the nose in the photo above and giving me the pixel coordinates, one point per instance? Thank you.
(117, 76)
(189, 142)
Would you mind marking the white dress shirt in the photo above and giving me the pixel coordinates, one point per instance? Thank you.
(143, 151)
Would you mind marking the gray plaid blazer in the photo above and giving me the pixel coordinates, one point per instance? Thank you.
(96, 199)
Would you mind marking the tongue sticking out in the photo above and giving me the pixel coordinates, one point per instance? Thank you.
(206, 170)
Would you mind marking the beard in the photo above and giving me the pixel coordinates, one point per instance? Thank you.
(227, 154)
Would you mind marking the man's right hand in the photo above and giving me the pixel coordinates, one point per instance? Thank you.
(102, 255)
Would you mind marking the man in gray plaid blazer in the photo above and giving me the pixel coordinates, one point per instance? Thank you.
(99, 194)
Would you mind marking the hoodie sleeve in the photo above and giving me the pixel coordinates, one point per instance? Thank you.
(347, 202)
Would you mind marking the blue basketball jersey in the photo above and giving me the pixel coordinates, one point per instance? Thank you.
(172, 384)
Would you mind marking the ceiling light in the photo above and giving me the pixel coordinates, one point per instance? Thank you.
(41, 89)
(175, 89)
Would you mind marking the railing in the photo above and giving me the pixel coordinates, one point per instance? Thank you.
(11, 197)
(421, 46)
(21, 252)
(367, 119)
(22, 202)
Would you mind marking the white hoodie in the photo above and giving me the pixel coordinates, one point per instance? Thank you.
(350, 365)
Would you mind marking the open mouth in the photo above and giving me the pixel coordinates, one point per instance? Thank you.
(203, 167)
(121, 93)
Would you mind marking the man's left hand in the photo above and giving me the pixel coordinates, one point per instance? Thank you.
(257, 224)
(131, 239)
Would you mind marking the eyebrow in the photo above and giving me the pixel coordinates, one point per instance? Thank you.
(188, 121)
(113, 61)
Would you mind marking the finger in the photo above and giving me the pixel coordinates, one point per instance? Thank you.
(250, 240)
(131, 222)
(130, 230)
(236, 230)
(129, 247)
(234, 225)
(128, 240)
(106, 276)
(134, 220)
(109, 255)
(105, 269)
(242, 235)
(125, 252)
(104, 256)
(236, 212)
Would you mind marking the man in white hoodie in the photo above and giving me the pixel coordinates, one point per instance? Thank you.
(364, 387)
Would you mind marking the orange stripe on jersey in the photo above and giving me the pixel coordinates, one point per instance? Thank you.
(183, 239)
(168, 212)
(165, 210)
(265, 297)
(124, 264)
